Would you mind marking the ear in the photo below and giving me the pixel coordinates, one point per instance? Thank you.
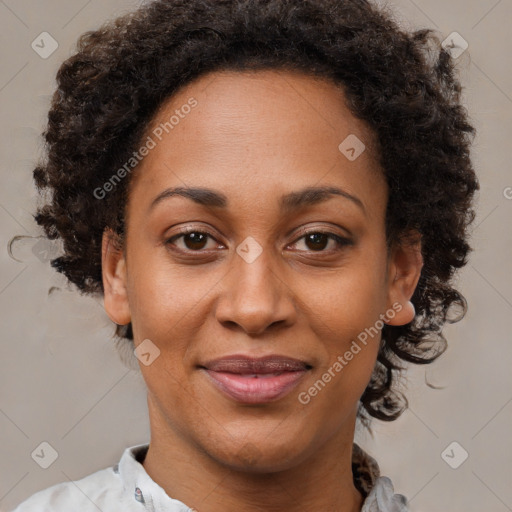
(113, 268)
(404, 270)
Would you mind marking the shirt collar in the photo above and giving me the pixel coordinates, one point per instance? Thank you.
(139, 484)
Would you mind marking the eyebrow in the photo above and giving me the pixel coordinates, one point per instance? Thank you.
(288, 202)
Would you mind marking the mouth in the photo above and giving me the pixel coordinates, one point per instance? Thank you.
(255, 380)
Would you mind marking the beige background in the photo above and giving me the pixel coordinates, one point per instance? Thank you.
(62, 381)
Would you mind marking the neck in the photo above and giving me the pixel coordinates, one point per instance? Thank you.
(322, 481)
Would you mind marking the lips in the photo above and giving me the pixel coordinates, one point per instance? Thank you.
(255, 380)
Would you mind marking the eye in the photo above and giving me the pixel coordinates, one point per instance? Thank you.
(193, 240)
(316, 241)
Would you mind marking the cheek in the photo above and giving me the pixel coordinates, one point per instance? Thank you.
(163, 296)
(350, 345)
(348, 300)
(168, 304)
(345, 315)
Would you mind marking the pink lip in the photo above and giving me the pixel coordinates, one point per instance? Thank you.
(254, 380)
(255, 390)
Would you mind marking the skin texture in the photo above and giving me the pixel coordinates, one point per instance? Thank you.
(255, 136)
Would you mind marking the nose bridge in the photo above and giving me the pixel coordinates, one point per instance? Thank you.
(254, 268)
(255, 296)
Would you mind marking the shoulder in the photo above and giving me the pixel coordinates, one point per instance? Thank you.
(378, 490)
(382, 498)
(102, 490)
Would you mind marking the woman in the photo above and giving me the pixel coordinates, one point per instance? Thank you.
(273, 198)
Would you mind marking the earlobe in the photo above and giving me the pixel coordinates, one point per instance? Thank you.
(113, 268)
(404, 272)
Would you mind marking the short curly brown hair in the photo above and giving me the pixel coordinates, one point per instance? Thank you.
(402, 83)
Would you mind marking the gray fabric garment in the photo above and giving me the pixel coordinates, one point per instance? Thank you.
(127, 487)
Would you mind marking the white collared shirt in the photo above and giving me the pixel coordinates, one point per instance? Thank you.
(126, 487)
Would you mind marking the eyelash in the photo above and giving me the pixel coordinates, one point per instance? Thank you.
(340, 241)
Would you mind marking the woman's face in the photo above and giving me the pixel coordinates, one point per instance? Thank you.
(257, 277)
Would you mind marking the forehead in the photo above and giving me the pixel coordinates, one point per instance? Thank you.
(257, 135)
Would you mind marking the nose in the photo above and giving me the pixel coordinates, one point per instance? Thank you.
(255, 296)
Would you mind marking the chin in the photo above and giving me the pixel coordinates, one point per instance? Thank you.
(259, 455)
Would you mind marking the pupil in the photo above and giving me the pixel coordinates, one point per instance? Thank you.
(315, 238)
(195, 239)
